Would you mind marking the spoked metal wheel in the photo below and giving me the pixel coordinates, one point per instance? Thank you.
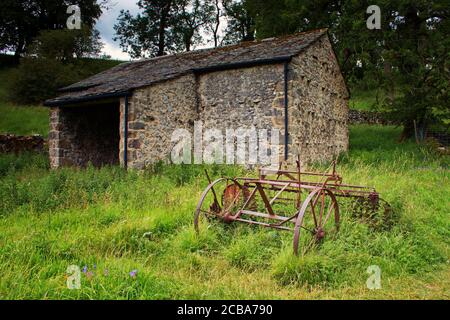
(318, 218)
(222, 199)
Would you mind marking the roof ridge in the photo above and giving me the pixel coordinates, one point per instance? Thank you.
(220, 48)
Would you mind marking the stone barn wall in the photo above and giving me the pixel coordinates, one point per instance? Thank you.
(318, 104)
(154, 112)
(239, 98)
(243, 98)
(227, 99)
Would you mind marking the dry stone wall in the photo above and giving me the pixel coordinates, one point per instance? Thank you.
(366, 117)
(10, 143)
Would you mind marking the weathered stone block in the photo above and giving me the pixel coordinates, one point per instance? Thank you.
(136, 125)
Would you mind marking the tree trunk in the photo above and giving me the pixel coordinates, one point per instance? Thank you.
(408, 131)
(20, 48)
(162, 28)
(188, 39)
(216, 29)
(391, 83)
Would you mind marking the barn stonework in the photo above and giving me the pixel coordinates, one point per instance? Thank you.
(126, 115)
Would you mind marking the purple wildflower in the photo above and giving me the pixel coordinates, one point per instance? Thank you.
(133, 273)
(85, 269)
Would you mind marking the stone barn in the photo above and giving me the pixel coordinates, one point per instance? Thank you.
(126, 115)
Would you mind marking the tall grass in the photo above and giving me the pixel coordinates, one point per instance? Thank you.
(111, 222)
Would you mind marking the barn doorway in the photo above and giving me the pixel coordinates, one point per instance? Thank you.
(91, 134)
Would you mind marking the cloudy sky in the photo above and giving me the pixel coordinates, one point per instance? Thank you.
(106, 27)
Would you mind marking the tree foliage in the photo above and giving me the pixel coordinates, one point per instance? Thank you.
(190, 16)
(408, 57)
(22, 20)
(164, 26)
(54, 60)
(66, 45)
(148, 33)
(240, 22)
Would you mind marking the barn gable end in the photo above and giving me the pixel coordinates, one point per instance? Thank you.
(318, 104)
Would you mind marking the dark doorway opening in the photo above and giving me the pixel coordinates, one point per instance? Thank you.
(92, 134)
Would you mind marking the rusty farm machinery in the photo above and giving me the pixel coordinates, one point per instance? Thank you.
(304, 203)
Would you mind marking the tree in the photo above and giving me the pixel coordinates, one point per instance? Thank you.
(241, 23)
(164, 26)
(148, 33)
(408, 57)
(66, 45)
(22, 20)
(215, 21)
(190, 17)
(54, 60)
(416, 48)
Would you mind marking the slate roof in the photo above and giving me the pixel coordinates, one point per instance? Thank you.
(136, 74)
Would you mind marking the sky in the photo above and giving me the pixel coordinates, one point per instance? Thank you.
(105, 25)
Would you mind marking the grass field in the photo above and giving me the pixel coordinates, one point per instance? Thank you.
(110, 223)
(20, 120)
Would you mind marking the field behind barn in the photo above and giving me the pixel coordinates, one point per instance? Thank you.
(132, 236)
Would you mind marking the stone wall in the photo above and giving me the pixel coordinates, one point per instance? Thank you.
(318, 105)
(221, 100)
(10, 143)
(243, 98)
(82, 135)
(154, 112)
(366, 117)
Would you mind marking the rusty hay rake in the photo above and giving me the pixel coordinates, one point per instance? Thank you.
(304, 203)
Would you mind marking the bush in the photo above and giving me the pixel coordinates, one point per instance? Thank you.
(38, 79)
(56, 59)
